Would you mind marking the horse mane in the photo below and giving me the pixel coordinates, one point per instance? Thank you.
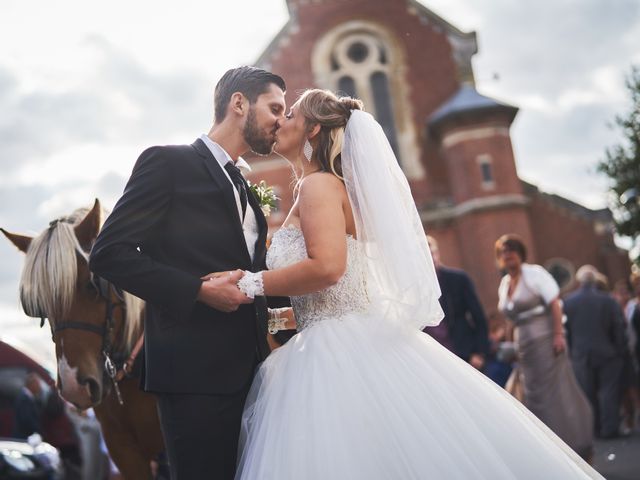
(50, 274)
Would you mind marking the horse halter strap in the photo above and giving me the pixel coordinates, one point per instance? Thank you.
(103, 289)
(105, 331)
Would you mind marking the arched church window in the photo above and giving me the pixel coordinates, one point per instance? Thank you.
(346, 86)
(384, 111)
(360, 67)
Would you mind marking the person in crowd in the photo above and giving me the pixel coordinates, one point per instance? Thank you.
(498, 365)
(633, 312)
(623, 294)
(634, 301)
(633, 305)
(28, 408)
(463, 329)
(596, 333)
(58, 430)
(529, 297)
(601, 282)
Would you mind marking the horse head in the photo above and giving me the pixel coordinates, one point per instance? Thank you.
(90, 320)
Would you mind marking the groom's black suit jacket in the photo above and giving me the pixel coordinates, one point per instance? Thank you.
(177, 221)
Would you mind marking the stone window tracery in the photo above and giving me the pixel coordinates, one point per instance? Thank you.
(368, 61)
(359, 63)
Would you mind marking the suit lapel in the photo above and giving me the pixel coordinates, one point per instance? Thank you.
(225, 186)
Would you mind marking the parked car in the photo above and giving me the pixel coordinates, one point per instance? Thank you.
(14, 367)
(57, 428)
(32, 459)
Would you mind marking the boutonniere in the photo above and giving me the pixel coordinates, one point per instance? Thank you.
(266, 196)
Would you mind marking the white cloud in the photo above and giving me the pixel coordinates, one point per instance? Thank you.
(83, 163)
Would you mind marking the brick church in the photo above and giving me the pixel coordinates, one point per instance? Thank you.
(413, 71)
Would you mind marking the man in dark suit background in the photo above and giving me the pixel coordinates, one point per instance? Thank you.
(185, 212)
(597, 343)
(28, 409)
(463, 329)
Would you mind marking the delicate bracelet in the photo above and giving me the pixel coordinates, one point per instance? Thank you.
(276, 323)
(251, 284)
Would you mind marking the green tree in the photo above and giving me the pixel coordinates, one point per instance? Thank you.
(622, 164)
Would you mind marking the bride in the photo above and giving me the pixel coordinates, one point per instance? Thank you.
(360, 392)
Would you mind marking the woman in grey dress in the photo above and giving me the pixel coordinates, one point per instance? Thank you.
(529, 297)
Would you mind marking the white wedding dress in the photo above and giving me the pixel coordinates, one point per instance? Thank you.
(355, 396)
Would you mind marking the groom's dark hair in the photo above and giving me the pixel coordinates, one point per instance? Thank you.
(250, 81)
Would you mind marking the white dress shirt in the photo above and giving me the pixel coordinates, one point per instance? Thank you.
(250, 224)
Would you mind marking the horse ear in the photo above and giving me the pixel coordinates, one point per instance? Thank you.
(87, 230)
(20, 241)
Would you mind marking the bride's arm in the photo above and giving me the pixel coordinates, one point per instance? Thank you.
(320, 205)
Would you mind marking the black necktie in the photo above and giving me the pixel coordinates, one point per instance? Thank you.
(239, 182)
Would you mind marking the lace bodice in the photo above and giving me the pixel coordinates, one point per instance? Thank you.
(349, 295)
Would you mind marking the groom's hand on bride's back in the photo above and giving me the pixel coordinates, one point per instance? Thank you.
(220, 291)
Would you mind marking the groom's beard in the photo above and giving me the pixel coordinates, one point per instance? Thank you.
(257, 140)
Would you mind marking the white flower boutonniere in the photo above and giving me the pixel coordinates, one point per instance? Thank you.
(266, 196)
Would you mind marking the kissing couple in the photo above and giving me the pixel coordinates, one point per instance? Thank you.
(359, 392)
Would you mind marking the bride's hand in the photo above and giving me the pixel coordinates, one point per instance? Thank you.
(221, 292)
(209, 276)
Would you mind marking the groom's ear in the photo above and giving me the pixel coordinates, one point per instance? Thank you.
(239, 104)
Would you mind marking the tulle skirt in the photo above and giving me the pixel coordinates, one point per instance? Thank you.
(360, 398)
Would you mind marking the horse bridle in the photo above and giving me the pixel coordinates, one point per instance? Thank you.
(105, 331)
(103, 288)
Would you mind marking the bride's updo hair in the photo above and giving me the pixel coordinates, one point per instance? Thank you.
(325, 108)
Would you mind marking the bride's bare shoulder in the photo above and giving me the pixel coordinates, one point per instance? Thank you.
(321, 184)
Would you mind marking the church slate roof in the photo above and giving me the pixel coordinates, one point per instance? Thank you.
(468, 100)
(600, 215)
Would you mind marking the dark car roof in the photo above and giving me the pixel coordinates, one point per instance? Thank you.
(12, 357)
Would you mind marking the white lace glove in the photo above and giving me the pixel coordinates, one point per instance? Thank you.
(251, 284)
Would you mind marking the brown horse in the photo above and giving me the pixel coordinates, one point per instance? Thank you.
(92, 324)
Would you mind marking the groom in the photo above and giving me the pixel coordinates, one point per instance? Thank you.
(187, 211)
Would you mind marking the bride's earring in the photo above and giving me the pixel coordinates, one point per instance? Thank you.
(307, 150)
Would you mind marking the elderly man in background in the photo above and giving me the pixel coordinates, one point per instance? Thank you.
(463, 329)
(597, 341)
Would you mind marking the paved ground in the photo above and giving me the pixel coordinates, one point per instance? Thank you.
(619, 459)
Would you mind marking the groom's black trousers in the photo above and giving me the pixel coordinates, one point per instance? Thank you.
(201, 433)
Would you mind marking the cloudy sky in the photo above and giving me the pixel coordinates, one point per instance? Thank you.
(85, 86)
